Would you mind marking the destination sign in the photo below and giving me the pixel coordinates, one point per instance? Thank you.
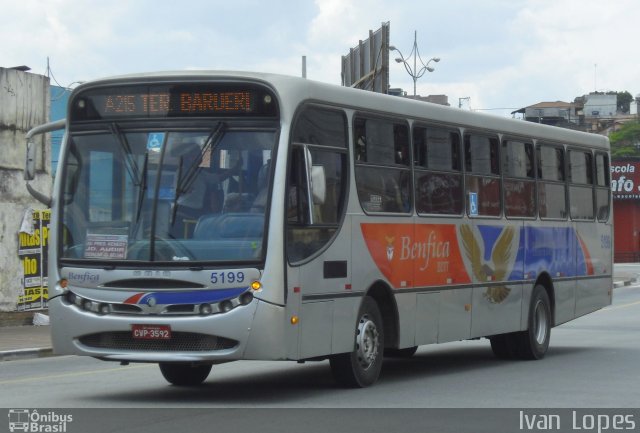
(194, 100)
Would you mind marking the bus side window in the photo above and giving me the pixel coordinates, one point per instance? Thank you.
(552, 195)
(519, 181)
(438, 187)
(581, 184)
(603, 190)
(483, 174)
(383, 175)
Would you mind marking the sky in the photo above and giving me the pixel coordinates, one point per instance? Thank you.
(500, 54)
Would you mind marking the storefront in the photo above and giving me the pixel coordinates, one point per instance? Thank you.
(625, 186)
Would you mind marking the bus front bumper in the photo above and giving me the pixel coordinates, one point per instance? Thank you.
(252, 331)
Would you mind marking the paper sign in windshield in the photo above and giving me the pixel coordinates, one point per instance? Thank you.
(101, 246)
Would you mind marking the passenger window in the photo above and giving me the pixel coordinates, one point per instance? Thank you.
(519, 183)
(438, 177)
(581, 181)
(581, 169)
(481, 154)
(602, 169)
(603, 190)
(551, 163)
(483, 175)
(436, 148)
(316, 125)
(383, 176)
(552, 195)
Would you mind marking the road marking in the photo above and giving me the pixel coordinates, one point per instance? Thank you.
(80, 373)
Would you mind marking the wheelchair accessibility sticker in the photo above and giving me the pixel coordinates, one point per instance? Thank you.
(155, 140)
(473, 203)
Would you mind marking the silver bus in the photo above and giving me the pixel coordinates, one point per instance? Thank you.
(205, 217)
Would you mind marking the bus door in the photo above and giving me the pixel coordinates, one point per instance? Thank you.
(318, 242)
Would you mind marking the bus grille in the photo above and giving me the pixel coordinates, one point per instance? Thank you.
(179, 342)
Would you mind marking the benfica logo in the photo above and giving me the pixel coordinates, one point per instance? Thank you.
(390, 240)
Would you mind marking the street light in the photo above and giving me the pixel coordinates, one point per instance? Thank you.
(415, 53)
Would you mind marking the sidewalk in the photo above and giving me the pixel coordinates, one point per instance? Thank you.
(23, 342)
(29, 341)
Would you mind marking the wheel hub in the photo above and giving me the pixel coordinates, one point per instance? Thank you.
(540, 322)
(367, 342)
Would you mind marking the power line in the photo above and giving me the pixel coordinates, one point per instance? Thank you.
(502, 108)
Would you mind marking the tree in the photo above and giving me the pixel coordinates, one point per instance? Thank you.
(624, 100)
(626, 140)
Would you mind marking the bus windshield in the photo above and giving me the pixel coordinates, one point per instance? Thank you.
(166, 196)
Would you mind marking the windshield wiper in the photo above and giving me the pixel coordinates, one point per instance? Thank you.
(125, 148)
(185, 183)
(143, 187)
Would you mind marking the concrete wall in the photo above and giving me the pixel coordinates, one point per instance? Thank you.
(601, 106)
(24, 103)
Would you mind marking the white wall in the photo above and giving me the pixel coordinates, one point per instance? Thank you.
(604, 105)
(24, 103)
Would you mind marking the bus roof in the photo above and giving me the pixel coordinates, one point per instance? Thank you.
(295, 90)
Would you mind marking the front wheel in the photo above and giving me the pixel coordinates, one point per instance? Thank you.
(361, 367)
(184, 373)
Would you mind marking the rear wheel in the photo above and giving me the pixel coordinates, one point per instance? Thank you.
(361, 367)
(185, 374)
(502, 346)
(534, 342)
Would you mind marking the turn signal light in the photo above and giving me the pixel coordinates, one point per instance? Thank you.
(256, 285)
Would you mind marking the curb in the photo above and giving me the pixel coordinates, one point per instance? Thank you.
(12, 355)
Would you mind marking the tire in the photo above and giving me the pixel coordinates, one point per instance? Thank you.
(185, 374)
(407, 352)
(502, 346)
(532, 343)
(361, 368)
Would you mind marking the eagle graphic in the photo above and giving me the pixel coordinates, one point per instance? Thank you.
(497, 269)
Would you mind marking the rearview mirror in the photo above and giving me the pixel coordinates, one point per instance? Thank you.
(32, 154)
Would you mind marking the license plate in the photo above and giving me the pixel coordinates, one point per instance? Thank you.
(151, 332)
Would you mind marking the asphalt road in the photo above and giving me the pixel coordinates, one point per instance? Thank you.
(592, 362)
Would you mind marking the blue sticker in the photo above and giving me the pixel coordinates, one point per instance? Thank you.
(473, 203)
(155, 140)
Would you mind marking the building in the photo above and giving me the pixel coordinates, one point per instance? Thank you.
(24, 103)
(434, 99)
(625, 187)
(594, 112)
(633, 106)
(599, 106)
(556, 113)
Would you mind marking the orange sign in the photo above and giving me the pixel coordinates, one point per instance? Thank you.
(416, 256)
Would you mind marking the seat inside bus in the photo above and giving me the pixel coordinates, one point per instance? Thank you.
(229, 226)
